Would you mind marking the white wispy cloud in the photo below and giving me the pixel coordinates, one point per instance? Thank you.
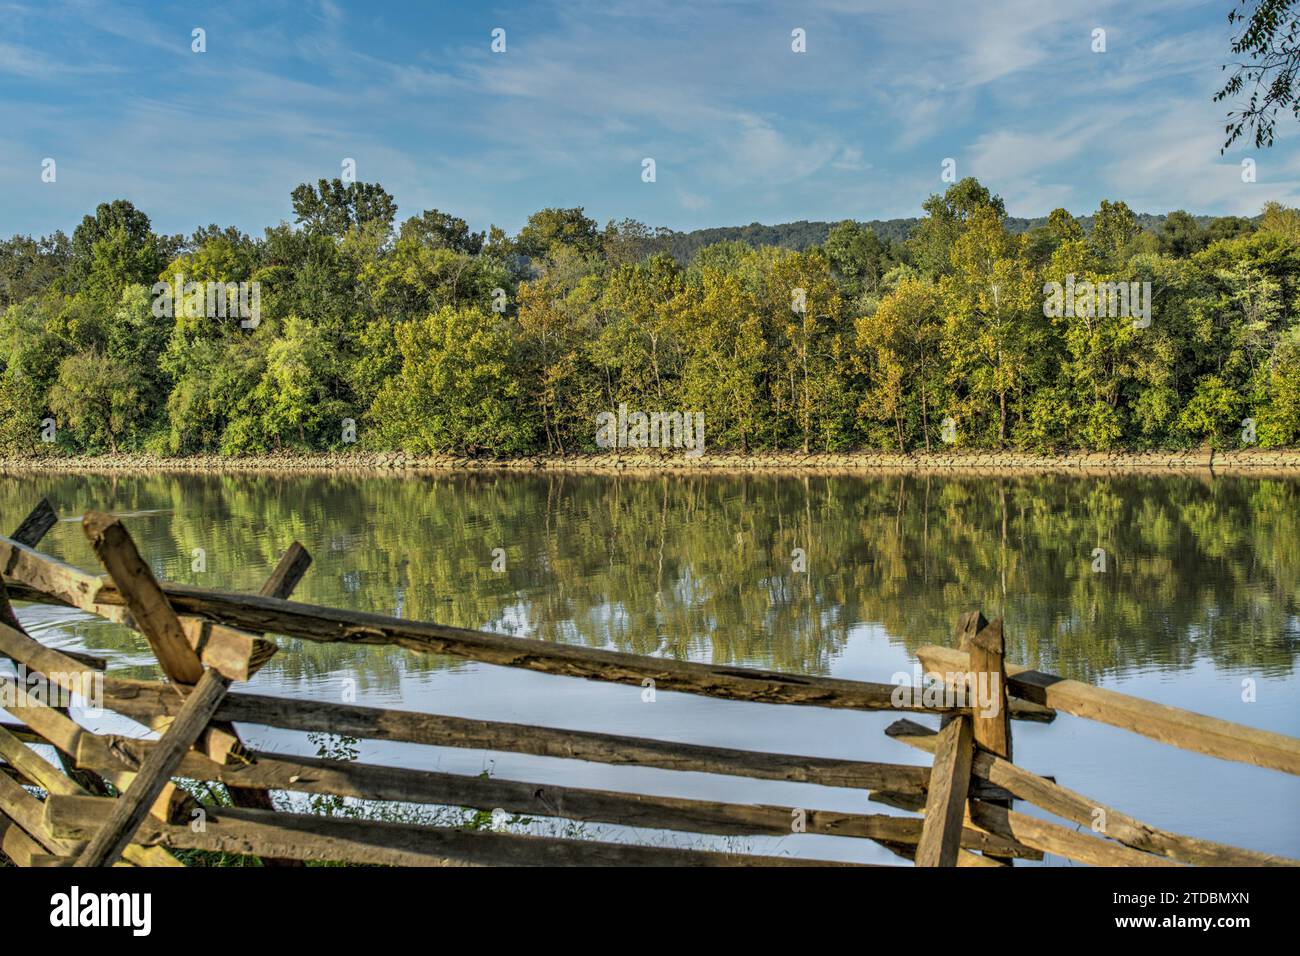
(741, 127)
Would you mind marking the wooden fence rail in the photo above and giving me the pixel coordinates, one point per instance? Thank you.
(123, 800)
(1170, 725)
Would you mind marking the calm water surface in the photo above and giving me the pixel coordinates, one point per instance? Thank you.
(1200, 597)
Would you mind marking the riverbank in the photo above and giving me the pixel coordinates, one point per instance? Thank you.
(1281, 462)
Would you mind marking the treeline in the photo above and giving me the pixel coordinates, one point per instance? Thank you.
(798, 236)
(427, 336)
(803, 234)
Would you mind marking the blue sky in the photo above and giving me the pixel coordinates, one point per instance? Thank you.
(741, 128)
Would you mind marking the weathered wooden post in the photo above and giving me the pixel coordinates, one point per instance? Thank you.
(991, 715)
(945, 805)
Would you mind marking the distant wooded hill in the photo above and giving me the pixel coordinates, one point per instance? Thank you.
(804, 234)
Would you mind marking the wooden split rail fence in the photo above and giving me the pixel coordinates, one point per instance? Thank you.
(119, 800)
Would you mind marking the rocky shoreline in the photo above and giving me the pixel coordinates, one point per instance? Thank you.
(1284, 462)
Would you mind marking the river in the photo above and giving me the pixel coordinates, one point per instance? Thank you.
(1184, 590)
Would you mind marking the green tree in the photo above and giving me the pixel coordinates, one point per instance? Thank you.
(566, 227)
(629, 241)
(1181, 235)
(931, 242)
(993, 326)
(442, 230)
(859, 258)
(1213, 410)
(1280, 219)
(804, 310)
(902, 338)
(1279, 424)
(458, 388)
(31, 267)
(726, 357)
(291, 405)
(1063, 226)
(97, 399)
(1113, 227)
(332, 207)
(131, 232)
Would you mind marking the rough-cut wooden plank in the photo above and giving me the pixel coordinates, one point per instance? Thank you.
(22, 732)
(1118, 825)
(235, 654)
(221, 641)
(49, 778)
(69, 674)
(63, 582)
(54, 726)
(232, 655)
(89, 660)
(314, 837)
(989, 720)
(358, 627)
(293, 564)
(34, 767)
(64, 734)
(946, 802)
(26, 811)
(1079, 809)
(1054, 838)
(333, 625)
(1016, 709)
(1170, 725)
(964, 857)
(23, 851)
(969, 623)
(29, 533)
(372, 782)
(140, 593)
(156, 771)
(20, 848)
(37, 523)
(61, 670)
(267, 614)
(139, 698)
(915, 802)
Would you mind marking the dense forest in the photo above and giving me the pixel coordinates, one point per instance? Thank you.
(427, 336)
